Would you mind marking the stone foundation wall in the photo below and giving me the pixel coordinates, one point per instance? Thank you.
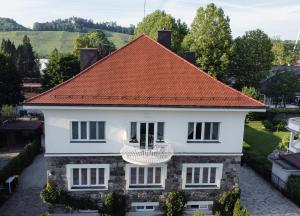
(230, 177)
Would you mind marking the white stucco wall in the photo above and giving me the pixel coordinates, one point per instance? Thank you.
(57, 129)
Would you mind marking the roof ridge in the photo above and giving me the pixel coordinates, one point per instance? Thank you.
(206, 74)
(83, 71)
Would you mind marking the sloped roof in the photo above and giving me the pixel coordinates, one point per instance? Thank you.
(144, 73)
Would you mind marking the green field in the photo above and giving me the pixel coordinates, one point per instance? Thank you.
(44, 42)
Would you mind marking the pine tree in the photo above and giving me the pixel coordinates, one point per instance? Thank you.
(9, 48)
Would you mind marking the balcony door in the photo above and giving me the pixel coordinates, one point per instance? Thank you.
(146, 135)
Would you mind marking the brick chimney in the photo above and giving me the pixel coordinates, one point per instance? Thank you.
(89, 56)
(164, 37)
(190, 56)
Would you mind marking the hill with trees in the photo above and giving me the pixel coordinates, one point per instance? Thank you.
(7, 24)
(77, 24)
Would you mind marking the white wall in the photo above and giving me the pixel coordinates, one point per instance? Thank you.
(57, 129)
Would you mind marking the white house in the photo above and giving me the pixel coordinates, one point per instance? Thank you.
(144, 121)
(287, 163)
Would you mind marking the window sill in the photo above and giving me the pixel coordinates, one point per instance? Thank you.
(99, 188)
(144, 187)
(203, 141)
(200, 187)
(87, 141)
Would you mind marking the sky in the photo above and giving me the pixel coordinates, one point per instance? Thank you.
(278, 18)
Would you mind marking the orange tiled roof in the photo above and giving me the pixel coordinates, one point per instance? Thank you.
(144, 73)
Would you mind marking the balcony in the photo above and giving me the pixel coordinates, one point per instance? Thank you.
(158, 153)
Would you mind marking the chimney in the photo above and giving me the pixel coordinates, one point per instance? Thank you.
(164, 37)
(190, 56)
(88, 56)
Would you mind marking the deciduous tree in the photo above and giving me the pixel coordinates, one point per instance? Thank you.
(60, 68)
(210, 37)
(252, 58)
(159, 20)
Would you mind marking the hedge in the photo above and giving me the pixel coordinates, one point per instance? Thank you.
(293, 189)
(22, 160)
(271, 113)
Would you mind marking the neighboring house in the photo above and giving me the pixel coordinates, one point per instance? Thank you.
(145, 121)
(270, 101)
(287, 163)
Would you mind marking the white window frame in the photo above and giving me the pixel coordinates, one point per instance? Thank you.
(203, 131)
(219, 171)
(138, 126)
(144, 205)
(88, 132)
(162, 177)
(88, 187)
(202, 205)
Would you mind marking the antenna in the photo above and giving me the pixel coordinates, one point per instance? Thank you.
(297, 47)
(144, 8)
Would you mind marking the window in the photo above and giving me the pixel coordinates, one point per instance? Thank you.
(139, 177)
(88, 131)
(201, 175)
(145, 206)
(88, 176)
(198, 205)
(203, 131)
(146, 133)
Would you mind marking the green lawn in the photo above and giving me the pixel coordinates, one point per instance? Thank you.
(258, 144)
(260, 140)
(44, 42)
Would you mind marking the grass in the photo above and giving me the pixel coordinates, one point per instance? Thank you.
(44, 42)
(258, 144)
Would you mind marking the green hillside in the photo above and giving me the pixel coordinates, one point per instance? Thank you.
(44, 42)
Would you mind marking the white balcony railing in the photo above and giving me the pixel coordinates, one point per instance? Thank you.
(160, 153)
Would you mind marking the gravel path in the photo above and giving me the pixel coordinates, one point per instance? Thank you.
(26, 200)
(261, 198)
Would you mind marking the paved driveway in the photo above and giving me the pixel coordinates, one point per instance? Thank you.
(261, 198)
(26, 200)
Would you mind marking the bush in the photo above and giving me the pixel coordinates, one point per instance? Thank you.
(22, 160)
(50, 193)
(239, 210)
(198, 213)
(275, 125)
(284, 144)
(175, 203)
(224, 204)
(293, 188)
(114, 204)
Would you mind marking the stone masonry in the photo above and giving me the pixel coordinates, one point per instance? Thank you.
(117, 182)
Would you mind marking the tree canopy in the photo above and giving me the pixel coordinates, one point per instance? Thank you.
(252, 58)
(282, 86)
(210, 37)
(159, 20)
(10, 81)
(7, 24)
(284, 53)
(93, 39)
(27, 63)
(60, 68)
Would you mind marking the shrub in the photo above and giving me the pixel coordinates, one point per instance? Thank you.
(268, 125)
(22, 160)
(284, 144)
(275, 125)
(114, 204)
(239, 210)
(175, 203)
(50, 193)
(293, 188)
(198, 213)
(224, 204)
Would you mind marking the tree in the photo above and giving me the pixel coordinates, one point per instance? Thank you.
(159, 20)
(282, 86)
(251, 92)
(10, 81)
(93, 39)
(60, 68)
(210, 37)
(284, 53)
(9, 48)
(26, 61)
(252, 58)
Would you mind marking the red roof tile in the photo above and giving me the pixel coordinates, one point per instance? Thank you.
(144, 73)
